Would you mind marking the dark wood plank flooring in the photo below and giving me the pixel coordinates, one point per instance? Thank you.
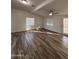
(38, 45)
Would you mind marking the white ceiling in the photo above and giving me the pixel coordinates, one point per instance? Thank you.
(42, 7)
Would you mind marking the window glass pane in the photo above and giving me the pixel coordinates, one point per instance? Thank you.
(29, 23)
(65, 25)
(49, 22)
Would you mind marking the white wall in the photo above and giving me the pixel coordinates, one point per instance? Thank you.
(18, 20)
(56, 23)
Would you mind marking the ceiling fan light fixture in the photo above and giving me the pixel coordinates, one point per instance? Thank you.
(27, 2)
(50, 14)
(24, 2)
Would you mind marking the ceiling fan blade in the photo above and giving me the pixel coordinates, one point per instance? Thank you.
(55, 13)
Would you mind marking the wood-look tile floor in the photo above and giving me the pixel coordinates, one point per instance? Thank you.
(39, 45)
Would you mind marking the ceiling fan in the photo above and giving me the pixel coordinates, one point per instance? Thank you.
(53, 11)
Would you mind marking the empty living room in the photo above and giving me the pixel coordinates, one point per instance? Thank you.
(39, 29)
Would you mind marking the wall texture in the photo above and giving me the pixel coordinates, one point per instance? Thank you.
(18, 20)
(54, 23)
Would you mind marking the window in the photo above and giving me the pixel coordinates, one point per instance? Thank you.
(65, 25)
(29, 23)
(49, 22)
